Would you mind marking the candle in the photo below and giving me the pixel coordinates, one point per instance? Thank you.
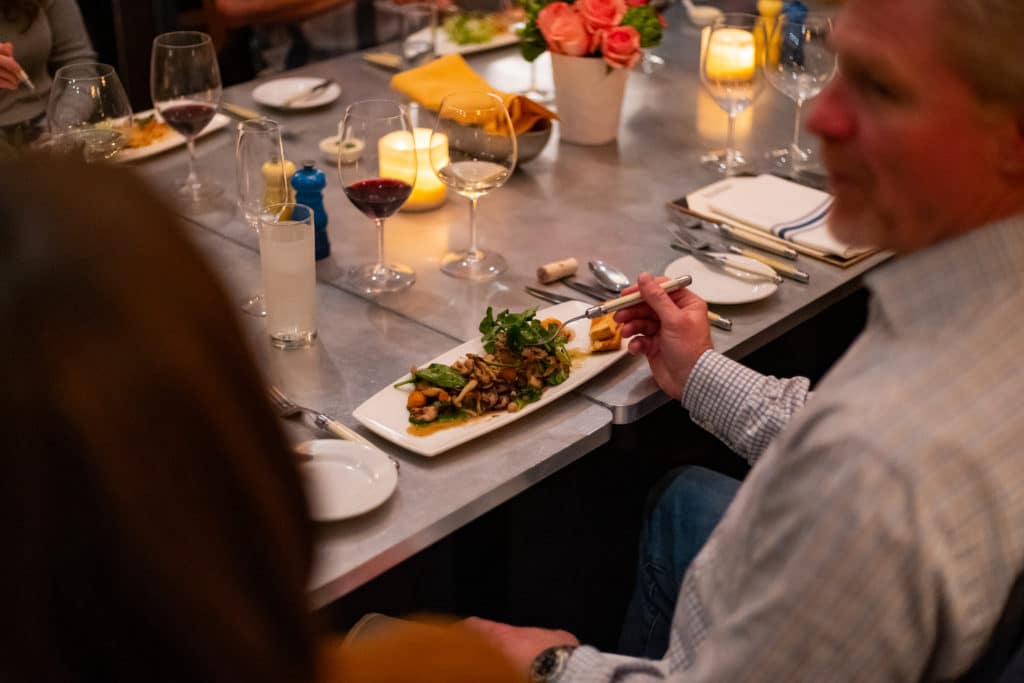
(731, 56)
(428, 192)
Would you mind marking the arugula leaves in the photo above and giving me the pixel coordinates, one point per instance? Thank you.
(520, 330)
(439, 375)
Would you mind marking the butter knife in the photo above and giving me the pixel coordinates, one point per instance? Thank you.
(725, 264)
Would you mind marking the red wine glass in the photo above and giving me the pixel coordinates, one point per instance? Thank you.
(378, 183)
(185, 87)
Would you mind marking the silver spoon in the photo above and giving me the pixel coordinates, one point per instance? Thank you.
(609, 277)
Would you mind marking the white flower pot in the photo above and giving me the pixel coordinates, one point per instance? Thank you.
(589, 98)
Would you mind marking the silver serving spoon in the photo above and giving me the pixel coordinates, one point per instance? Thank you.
(609, 277)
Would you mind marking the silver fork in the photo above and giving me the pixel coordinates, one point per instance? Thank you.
(288, 408)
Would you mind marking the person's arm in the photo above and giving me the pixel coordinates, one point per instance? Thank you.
(237, 13)
(743, 408)
(824, 571)
(70, 39)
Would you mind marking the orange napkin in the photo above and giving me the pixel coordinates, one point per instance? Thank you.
(428, 84)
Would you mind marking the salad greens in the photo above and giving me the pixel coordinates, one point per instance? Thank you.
(437, 374)
(470, 29)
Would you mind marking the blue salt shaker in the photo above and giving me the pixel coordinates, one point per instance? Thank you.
(309, 183)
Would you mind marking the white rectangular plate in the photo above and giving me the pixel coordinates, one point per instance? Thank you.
(446, 46)
(169, 141)
(385, 412)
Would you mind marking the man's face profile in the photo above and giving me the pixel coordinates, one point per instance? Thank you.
(910, 148)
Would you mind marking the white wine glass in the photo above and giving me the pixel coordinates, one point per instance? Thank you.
(799, 63)
(378, 181)
(262, 180)
(186, 89)
(731, 72)
(88, 111)
(477, 156)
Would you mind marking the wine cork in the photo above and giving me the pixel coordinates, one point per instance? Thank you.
(550, 272)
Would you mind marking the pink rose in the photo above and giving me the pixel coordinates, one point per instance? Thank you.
(563, 29)
(620, 47)
(601, 14)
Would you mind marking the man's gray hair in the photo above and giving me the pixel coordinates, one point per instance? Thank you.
(983, 38)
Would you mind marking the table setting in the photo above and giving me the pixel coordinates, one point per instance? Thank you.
(337, 333)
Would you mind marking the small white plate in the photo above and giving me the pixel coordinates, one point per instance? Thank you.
(385, 412)
(344, 478)
(715, 286)
(275, 93)
(169, 141)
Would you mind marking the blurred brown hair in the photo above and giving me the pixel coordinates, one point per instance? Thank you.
(154, 525)
(981, 37)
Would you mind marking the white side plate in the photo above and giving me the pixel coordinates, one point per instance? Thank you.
(716, 286)
(276, 92)
(385, 412)
(169, 141)
(344, 478)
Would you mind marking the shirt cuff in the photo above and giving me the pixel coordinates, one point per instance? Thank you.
(717, 387)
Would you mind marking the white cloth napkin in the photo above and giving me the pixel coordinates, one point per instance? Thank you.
(789, 210)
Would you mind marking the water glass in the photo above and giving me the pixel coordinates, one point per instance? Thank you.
(288, 266)
(419, 33)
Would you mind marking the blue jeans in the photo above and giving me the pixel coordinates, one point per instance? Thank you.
(684, 514)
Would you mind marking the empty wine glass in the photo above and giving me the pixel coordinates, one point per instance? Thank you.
(378, 184)
(88, 111)
(262, 179)
(479, 157)
(731, 72)
(513, 9)
(186, 90)
(799, 63)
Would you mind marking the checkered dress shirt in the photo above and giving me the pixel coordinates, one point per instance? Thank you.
(880, 532)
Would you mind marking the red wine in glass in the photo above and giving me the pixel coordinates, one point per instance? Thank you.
(378, 197)
(189, 119)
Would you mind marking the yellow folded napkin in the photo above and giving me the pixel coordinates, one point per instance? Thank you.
(428, 84)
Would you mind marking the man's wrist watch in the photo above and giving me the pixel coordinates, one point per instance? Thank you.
(550, 664)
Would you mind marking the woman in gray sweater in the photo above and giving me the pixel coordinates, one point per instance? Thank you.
(39, 37)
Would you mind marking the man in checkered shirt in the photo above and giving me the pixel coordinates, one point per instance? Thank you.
(882, 528)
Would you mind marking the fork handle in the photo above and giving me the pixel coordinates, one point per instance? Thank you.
(634, 298)
(343, 432)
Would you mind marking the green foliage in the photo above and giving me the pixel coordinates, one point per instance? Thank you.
(439, 375)
(645, 20)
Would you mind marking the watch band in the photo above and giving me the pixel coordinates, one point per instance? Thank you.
(549, 664)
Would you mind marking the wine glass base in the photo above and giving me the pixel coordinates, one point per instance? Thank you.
(198, 192)
(467, 265)
(372, 279)
(715, 160)
(255, 306)
(791, 158)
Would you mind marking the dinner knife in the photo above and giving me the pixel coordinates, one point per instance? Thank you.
(240, 112)
(782, 268)
(724, 263)
(768, 243)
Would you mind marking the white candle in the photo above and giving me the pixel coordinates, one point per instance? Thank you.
(428, 192)
(730, 56)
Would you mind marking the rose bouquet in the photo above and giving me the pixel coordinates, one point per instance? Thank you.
(615, 30)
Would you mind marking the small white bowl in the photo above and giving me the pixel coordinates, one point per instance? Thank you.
(352, 150)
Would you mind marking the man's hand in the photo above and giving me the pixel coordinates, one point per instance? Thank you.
(674, 332)
(8, 67)
(520, 644)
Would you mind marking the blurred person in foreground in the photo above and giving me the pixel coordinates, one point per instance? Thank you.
(154, 524)
(878, 536)
(37, 37)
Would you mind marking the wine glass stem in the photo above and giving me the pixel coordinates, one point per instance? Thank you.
(730, 141)
(473, 251)
(379, 267)
(796, 125)
(192, 180)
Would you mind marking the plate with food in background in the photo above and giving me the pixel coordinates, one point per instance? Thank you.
(150, 135)
(468, 32)
(511, 370)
